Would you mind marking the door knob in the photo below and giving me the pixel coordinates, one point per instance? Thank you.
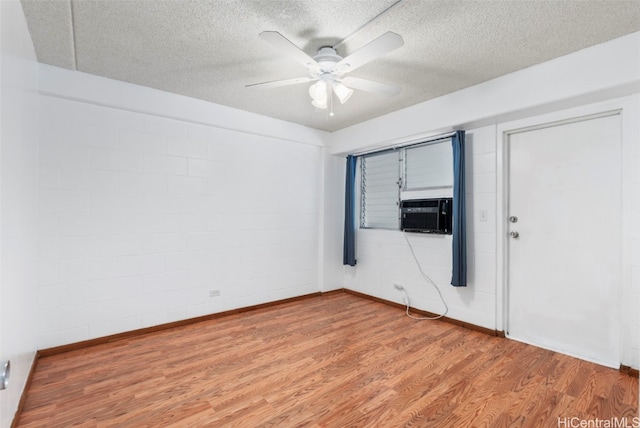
(514, 234)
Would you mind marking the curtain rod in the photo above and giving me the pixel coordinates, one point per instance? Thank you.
(409, 143)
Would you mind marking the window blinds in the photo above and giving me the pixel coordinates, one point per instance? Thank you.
(380, 191)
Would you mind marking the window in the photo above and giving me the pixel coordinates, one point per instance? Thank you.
(413, 169)
(380, 190)
(429, 166)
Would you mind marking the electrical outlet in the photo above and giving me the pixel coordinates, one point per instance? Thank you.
(398, 287)
(214, 293)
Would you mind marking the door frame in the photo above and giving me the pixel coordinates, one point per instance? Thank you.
(627, 108)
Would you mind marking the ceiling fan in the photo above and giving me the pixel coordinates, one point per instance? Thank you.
(329, 70)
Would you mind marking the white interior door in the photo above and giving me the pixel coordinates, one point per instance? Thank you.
(565, 245)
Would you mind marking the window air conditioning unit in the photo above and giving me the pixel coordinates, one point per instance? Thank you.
(426, 215)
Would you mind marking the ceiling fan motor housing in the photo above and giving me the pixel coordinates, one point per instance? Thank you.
(327, 69)
(327, 58)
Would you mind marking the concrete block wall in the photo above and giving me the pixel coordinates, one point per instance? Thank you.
(142, 217)
(633, 330)
(18, 202)
(384, 257)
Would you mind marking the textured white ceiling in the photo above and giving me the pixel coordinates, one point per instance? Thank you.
(210, 49)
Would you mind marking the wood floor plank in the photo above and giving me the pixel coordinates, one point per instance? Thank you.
(330, 361)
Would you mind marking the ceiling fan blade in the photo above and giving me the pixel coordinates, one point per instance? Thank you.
(288, 48)
(371, 86)
(377, 47)
(285, 82)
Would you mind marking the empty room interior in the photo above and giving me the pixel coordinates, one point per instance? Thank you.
(290, 213)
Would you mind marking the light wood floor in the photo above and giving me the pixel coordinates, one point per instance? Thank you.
(333, 361)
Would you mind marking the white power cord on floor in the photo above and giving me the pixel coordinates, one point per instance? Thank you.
(429, 280)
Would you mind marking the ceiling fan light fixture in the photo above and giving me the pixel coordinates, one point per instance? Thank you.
(327, 68)
(318, 91)
(342, 92)
(321, 104)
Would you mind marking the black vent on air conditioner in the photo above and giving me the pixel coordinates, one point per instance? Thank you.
(426, 215)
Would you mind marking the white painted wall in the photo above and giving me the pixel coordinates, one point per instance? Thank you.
(384, 257)
(333, 225)
(18, 202)
(602, 72)
(142, 215)
(631, 195)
